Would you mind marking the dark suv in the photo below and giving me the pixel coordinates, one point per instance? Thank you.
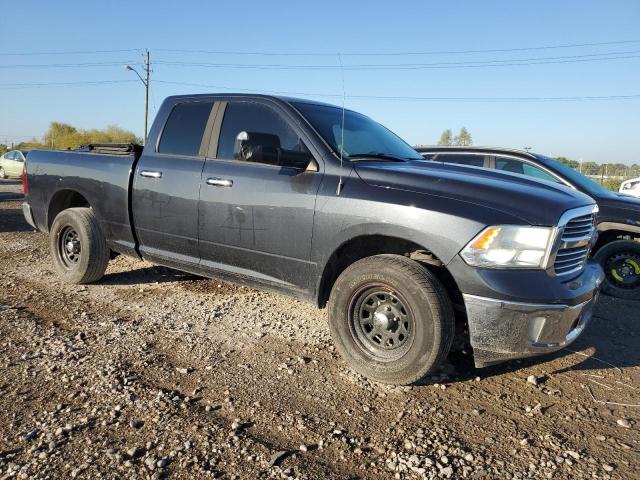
(617, 248)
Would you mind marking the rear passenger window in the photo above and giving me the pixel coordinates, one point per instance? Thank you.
(182, 134)
(462, 159)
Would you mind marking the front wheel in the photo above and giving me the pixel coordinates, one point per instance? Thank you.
(3, 174)
(620, 261)
(78, 247)
(391, 319)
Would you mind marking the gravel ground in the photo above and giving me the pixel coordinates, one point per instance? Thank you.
(152, 373)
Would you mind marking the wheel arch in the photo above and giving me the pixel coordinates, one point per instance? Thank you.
(62, 200)
(367, 245)
(610, 232)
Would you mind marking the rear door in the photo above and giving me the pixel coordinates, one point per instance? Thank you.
(166, 186)
(256, 219)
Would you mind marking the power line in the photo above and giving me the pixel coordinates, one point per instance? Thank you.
(265, 53)
(410, 98)
(432, 52)
(592, 57)
(62, 84)
(72, 52)
(414, 66)
(68, 65)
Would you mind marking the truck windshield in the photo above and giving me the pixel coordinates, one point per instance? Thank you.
(362, 136)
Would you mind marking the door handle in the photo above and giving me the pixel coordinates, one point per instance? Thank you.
(150, 174)
(219, 182)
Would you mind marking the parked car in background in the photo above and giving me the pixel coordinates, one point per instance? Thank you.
(11, 163)
(631, 187)
(618, 245)
(328, 205)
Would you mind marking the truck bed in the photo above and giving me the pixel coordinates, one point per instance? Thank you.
(102, 175)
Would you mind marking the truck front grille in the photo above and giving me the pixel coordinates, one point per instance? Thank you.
(576, 231)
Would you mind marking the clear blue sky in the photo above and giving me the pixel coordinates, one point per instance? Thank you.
(591, 130)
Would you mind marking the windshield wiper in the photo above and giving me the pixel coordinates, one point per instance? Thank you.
(377, 156)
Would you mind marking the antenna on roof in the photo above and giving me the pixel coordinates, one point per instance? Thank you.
(339, 187)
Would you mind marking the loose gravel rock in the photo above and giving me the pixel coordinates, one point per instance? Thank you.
(153, 373)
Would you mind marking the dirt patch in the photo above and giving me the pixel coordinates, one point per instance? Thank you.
(156, 373)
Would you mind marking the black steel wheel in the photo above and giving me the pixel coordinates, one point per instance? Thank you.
(391, 319)
(78, 246)
(381, 322)
(69, 246)
(620, 261)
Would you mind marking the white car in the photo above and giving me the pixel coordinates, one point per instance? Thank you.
(11, 163)
(631, 187)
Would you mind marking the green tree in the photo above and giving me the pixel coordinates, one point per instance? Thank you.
(62, 136)
(463, 138)
(3, 149)
(570, 163)
(446, 138)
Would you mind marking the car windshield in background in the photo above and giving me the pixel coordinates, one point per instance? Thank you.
(362, 136)
(575, 177)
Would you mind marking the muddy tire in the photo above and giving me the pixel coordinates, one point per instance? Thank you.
(78, 247)
(391, 319)
(620, 261)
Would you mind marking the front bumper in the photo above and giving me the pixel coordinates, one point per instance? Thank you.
(501, 330)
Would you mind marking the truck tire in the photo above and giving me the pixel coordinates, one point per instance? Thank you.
(391, 319)
(620, 261)
(78, 247)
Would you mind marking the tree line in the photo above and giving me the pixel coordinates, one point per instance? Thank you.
(62, 136)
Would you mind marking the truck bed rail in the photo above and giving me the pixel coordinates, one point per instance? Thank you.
(111, 148)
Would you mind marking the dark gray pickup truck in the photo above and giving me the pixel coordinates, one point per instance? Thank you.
(330, 206)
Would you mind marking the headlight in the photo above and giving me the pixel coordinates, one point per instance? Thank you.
(509, 246)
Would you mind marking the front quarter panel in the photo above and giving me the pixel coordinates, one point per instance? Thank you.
(437, 224)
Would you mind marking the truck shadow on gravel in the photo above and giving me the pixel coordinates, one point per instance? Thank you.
(146, 275)
(609, 343)
(13, 221)
(10, 196)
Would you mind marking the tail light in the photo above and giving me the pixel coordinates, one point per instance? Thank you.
(25, 187)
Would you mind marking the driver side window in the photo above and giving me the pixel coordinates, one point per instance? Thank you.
(259, 122)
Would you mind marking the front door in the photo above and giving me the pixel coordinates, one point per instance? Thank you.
(256, 219)
(166, 187)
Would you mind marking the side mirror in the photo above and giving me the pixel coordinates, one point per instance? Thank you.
(265, 148)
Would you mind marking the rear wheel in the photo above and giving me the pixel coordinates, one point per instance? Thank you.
(78, 247)
(391, 319)
(621, 263)
(3, 174)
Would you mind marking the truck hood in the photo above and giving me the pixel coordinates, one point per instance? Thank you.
(534, 202)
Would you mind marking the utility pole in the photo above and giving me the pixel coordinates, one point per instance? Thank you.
(147, 66)
(145, 82)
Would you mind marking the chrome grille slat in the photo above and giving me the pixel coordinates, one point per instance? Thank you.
(573, 250)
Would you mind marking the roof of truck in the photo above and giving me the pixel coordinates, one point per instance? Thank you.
(456, 148)
(281, 98)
